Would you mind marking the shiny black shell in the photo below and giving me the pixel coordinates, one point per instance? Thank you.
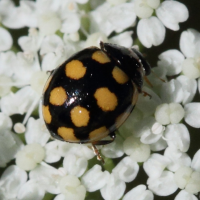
(116, 74)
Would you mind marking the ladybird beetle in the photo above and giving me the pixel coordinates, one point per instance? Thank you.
(92, 93)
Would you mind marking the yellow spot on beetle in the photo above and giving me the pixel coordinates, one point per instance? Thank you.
(46, 114)
(80, 116)
(119, 75)
(58, 96)
(75, 69)
(100, 57)
(106, 100)
(98, 133)
(67, 134)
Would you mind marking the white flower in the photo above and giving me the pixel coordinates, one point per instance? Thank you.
(126, 170)
(172, 91)
(169, 113)
(183, 195)
(140, 192)
(188, 178)
(107, 18)
(138, 151)
(71, 188)
(177, 158)
(171, 13)
(11, 181)
(155, 165)
(190, 45)
(30, 156)
(6, 40)
(171, 60)
(114, 149)
(150, 29)
(151, 32)
(10, 144)
(31, 190)
(178, 137)
(74, 165)
(36, 132)
(192, 114)
(114, 189)
(47, 177)
(163, 185)
(90, 178)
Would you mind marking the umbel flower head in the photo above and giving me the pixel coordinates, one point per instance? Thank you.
(159, 135)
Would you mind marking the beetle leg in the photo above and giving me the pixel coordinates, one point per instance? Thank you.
(102, 142)
(96, 152)
(50, 71)
(146, 94)
(147, 81)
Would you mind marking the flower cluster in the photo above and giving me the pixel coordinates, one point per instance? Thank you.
(155, 137)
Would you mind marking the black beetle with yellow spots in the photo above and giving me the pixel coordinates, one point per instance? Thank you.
(92, 93)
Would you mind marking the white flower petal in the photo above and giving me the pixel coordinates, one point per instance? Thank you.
(47, 177)
(114, 189)
(50, 43)
(172, 91)
(140, 193)
(150, 32)
(30, 156)
(171, 60)
(177, 136)
(11, 180)
(138, 151)
(31, 190)
(183, 195)
(169, 113)
(171, 13)
(5, 122)
(177, 159)
(190, 43)
(126, 170)
(6, 40)
(71, 23)
(124, 39)
(146, 104)
(52, 152)
(159, 145)
(90, 178)
(72, 188)
(155, 165)
(36, 132)
(114, 149)
(196, 161)
(142, 9)
(107, 18)
(10, 144)
(7, 61)
(191, 68)
(193, 185)
(182, 176)
(189, 87)
(164, 185)
(192, 114)
(74, 165)
(51, 61)
(19, 102)
(49, 23)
